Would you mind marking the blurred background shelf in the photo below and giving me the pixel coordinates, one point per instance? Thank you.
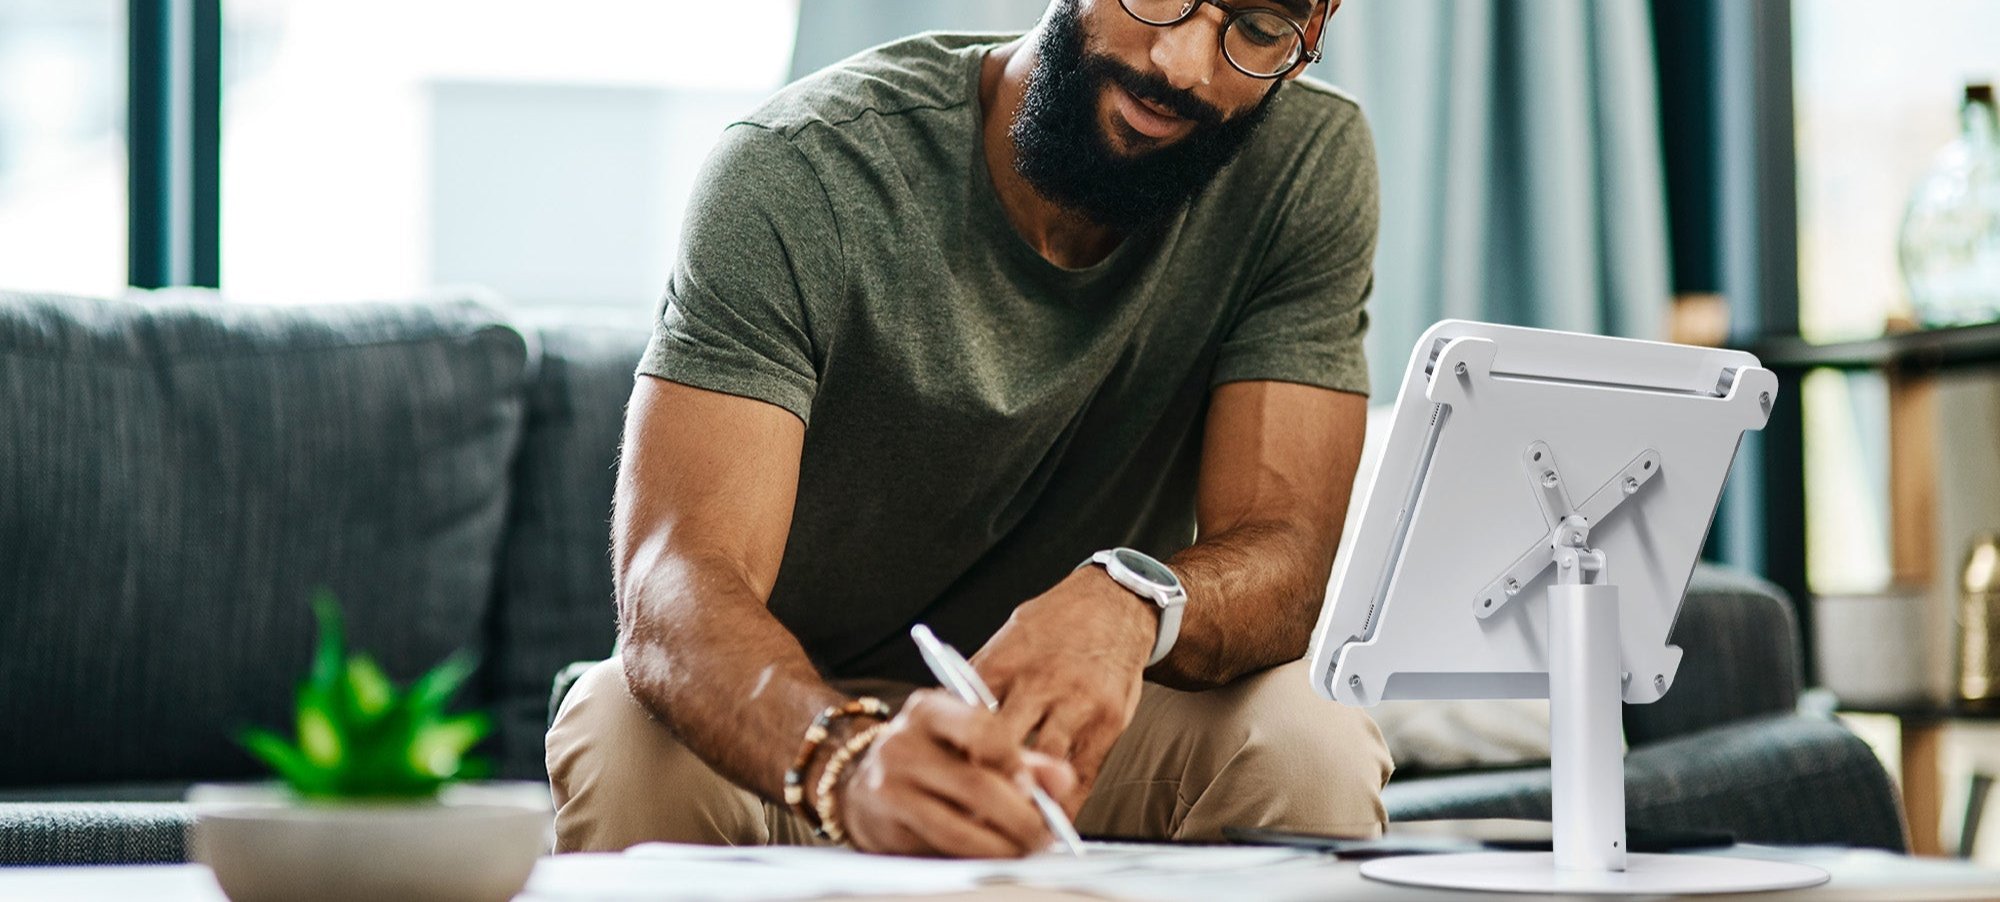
(1940, 349)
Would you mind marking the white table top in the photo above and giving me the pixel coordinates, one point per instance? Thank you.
(1857, 875)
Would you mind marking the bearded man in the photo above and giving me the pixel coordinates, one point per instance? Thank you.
(1052, 344)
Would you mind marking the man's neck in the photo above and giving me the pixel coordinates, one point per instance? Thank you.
(1060, 236)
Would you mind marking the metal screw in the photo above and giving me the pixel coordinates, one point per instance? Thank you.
(1576, 537)
(1354, 681)
(1631, 484)
(1513, 587)
(1459, 369)
(1660, 682)
(1549, 479)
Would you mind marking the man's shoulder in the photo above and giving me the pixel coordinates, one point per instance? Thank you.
(928, 71)
(1312, 131)
(1306, 107)
(1309, 90)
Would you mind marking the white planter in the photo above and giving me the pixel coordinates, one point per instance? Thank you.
(475, 842)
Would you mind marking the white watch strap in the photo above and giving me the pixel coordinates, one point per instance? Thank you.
(1170, 630)
(1169, 608)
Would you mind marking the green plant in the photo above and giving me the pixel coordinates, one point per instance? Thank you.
(360, 737)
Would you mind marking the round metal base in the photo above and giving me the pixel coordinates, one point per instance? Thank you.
(1535, 872)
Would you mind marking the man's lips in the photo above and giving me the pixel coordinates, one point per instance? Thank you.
(1148, 118)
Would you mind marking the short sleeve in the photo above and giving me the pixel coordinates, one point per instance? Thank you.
(1305, 320)
(759, 249)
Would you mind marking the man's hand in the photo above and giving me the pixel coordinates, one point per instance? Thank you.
(945, 778)
(1067, 667)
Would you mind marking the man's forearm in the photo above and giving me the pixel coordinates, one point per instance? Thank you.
(704, 654)
(1254, 593)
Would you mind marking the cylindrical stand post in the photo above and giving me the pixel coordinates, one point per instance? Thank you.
(1585, 699)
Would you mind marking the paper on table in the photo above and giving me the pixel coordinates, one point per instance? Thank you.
(677, 871)
(1157, 872)
(647, 877)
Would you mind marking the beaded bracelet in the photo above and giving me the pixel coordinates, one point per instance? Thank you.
(795, 776)
(824, 800)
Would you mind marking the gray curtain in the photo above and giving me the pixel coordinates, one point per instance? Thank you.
(831, 30)
(1518, 143)
(1522, 180)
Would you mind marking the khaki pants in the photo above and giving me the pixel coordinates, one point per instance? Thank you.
(1263, 751)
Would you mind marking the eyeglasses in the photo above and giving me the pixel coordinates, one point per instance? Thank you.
(1258, 41)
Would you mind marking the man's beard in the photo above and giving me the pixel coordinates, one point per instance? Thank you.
(1061, 149)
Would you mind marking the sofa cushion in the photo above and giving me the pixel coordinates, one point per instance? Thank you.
(176, 478)
(77, 833)
(554, 603)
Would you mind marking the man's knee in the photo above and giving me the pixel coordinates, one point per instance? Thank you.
(620, 778)
(1277, 755)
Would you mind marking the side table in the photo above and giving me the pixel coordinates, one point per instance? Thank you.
(1859, 875)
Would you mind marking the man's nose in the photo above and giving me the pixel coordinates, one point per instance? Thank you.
(1188, 53)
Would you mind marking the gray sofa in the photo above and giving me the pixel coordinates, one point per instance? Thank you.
(176, 478)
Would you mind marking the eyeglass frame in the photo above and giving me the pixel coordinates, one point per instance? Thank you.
(1310, 55)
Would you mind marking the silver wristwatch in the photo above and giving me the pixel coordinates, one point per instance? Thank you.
(1151, 580)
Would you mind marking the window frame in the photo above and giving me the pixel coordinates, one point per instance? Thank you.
(174, 143)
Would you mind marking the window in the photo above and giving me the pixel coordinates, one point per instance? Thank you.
(62, 145)
(374, 148)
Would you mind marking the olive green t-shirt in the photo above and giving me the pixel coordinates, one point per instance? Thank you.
(979, 420)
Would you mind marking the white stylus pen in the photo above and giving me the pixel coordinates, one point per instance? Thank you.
(957, 676)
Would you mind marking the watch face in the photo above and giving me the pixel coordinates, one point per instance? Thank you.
(1147, 569)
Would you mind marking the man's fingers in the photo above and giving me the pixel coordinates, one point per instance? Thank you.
(1054, 775)
(894, 804)
(983, 794)
(947, 830)
(908, 838)
(982, 737)
(1060, 728)
(1021, 714)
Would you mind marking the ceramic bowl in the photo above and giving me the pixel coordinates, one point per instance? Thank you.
(474, 842)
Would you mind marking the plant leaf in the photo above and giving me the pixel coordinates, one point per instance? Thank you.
(358, 736)
(430, 692)
(368, 689)
(438, 749)
(319, 736)
(290, 765)
(474, 769)
(327, 658)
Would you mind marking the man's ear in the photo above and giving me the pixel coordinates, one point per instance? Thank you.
(1315, 26)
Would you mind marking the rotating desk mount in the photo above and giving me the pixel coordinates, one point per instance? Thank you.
(1434, 596)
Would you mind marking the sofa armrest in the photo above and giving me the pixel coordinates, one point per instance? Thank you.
(1739, 641)
(1789, 779)
(1783, 780)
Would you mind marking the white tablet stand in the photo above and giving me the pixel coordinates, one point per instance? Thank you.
(1474, 573)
